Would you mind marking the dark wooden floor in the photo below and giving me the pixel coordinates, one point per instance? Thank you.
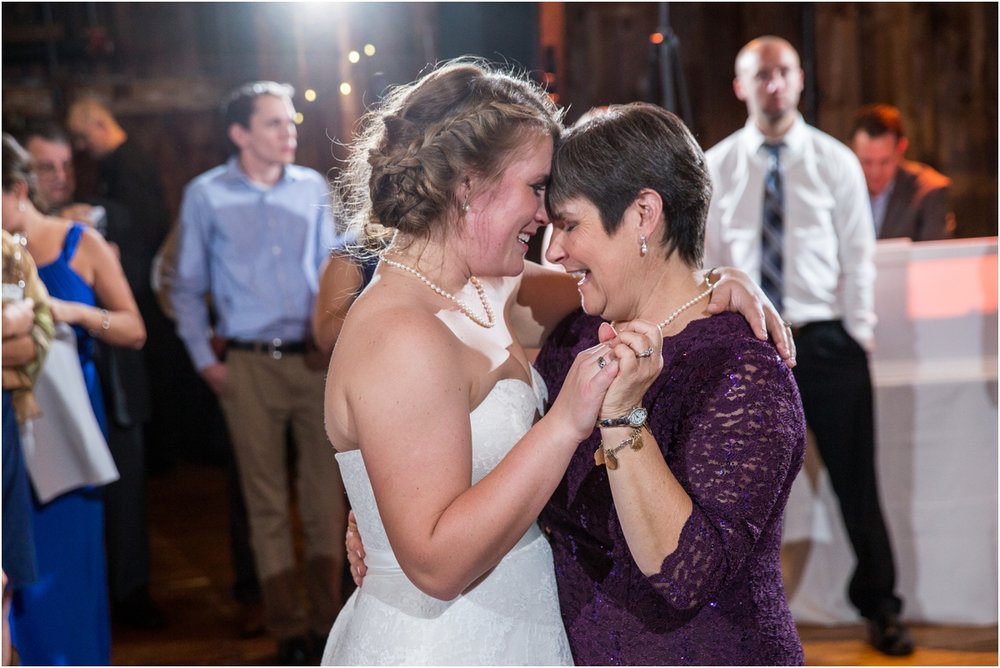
(192, 576)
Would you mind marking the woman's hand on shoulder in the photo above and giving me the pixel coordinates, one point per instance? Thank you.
(735, 291)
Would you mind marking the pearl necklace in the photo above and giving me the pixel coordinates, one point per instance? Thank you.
(670, 318)
(488, 323)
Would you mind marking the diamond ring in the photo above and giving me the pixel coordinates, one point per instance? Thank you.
(601, 362)
(648, 352)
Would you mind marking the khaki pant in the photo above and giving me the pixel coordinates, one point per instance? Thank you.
(261, 397)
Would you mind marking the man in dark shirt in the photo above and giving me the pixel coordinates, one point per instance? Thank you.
(127, 175)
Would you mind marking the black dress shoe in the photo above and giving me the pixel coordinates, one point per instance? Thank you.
(890, 636)
(293, 651)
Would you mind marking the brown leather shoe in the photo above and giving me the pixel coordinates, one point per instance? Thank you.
(250, 620)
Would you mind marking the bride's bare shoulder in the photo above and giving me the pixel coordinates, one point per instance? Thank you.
(382, 326)
(389, 351)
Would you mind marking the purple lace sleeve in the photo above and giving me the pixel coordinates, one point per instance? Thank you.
(742, 448)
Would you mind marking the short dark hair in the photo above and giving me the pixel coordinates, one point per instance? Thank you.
(617, 153)
(878, 119)
(47, 130)
(239, 105)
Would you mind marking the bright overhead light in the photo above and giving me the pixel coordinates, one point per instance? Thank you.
(369, 49)
(299, 118)
(345, 88)
(309, 94)
(354, 56)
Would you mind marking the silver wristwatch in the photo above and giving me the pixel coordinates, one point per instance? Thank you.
(635, 418)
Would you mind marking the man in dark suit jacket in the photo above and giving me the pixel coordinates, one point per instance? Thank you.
(909, 199)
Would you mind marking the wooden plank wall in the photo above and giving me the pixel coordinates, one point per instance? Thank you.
(165, 65)
(936, 61)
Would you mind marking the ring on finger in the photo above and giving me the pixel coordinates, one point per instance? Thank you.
(601, 362)
(648, 352)
(787, 324)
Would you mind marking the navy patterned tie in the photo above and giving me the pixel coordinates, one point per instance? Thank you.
(772, 233)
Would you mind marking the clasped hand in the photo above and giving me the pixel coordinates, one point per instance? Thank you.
(636, 347)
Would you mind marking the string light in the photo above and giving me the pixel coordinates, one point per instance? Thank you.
(354, 56)
(369, 49)
(309, 94)
(345, 88)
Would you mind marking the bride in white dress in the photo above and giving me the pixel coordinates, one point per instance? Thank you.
(431, 400)
(511, 617)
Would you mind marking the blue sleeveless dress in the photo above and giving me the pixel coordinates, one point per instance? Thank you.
(64, 618)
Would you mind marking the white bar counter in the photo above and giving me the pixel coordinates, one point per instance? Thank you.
(935, 375)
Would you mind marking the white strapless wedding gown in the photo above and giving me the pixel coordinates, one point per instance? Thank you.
(511, 617)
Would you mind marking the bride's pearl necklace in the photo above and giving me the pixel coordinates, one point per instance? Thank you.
(487, 323)
(670, 318)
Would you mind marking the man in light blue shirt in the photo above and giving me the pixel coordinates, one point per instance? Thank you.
(254, 233)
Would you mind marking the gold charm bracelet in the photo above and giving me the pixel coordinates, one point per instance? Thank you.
(609, 456)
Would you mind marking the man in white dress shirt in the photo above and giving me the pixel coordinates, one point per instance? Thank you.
(790, 207)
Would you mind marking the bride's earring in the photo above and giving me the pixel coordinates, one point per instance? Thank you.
(643, 248)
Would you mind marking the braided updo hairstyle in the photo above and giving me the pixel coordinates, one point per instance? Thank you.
(428, 137)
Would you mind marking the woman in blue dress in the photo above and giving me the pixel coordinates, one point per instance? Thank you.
(63, 619)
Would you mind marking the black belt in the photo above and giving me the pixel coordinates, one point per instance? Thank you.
(275, 348)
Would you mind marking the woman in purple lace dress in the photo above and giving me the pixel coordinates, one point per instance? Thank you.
(666, 528)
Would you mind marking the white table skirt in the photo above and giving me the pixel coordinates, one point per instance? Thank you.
(935, 375)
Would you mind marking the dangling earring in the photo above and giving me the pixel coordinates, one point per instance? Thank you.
(643, 248)
(21, 206)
